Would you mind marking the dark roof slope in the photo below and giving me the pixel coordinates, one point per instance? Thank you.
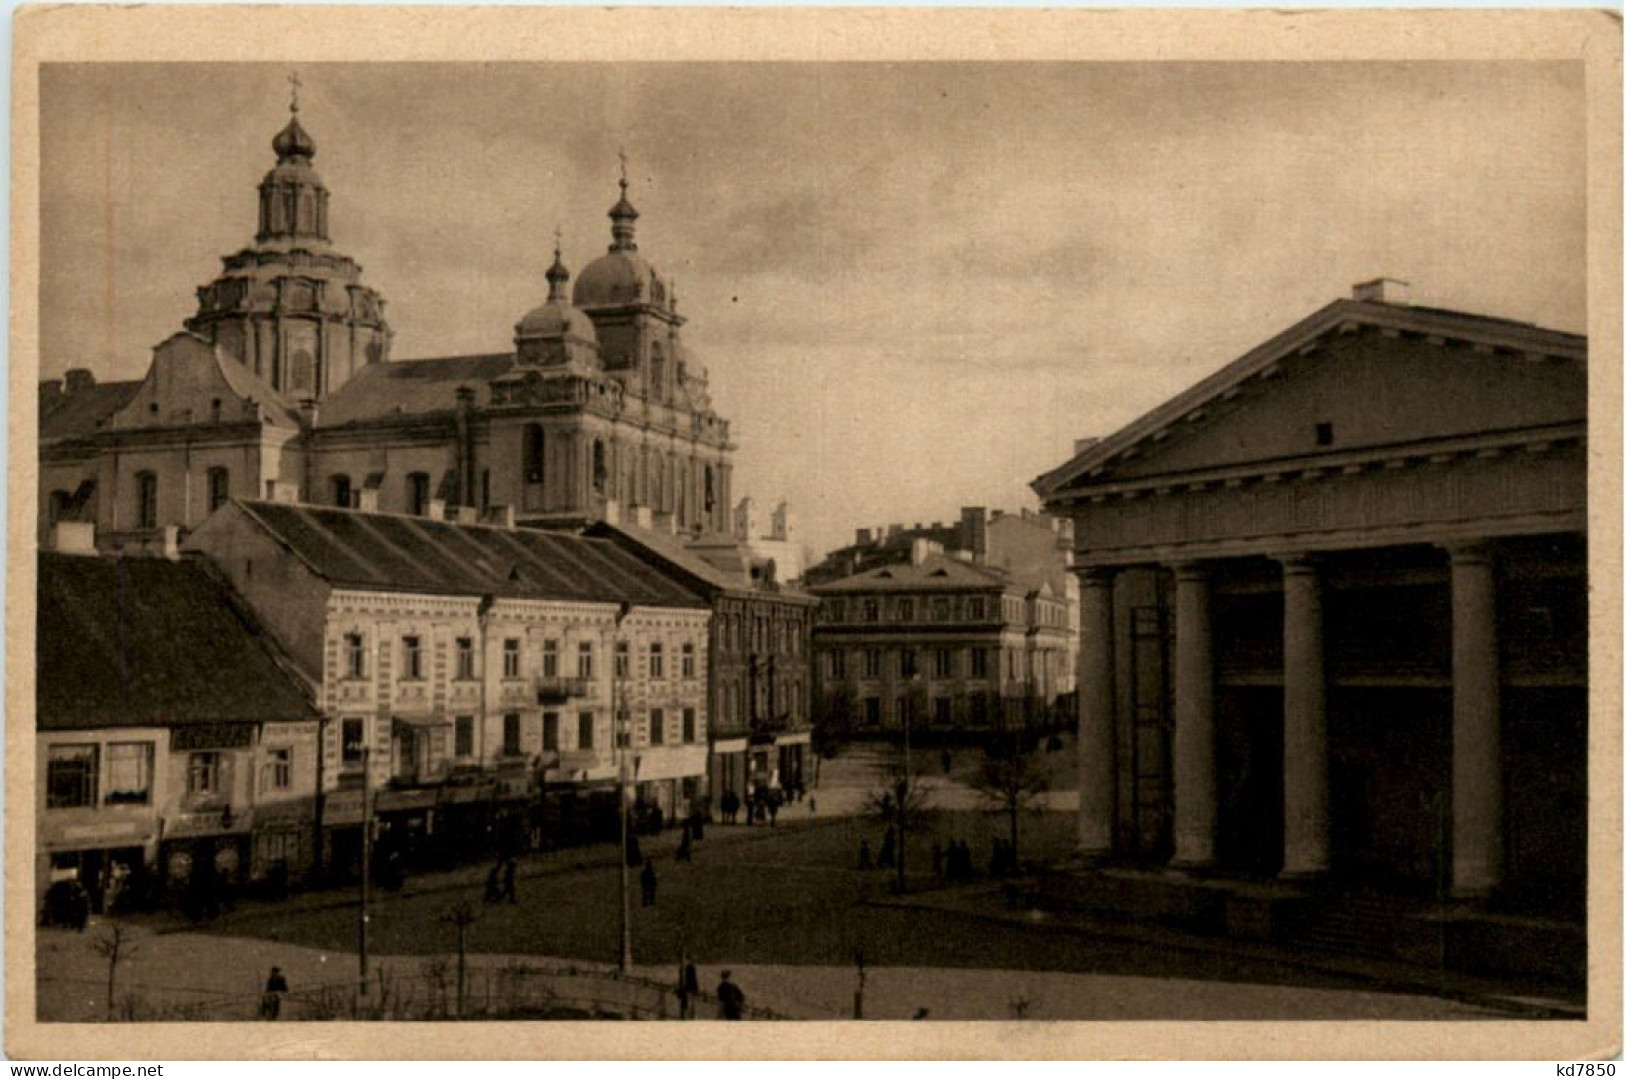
(127, 642)
(383, 391)
(671, 550)
(934, 573)
(84, 411)
(416, 554)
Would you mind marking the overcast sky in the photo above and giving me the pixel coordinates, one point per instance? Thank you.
(913, 285)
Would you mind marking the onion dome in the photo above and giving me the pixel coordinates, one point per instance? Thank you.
(555, 321)
(293, 142)
(621, 276)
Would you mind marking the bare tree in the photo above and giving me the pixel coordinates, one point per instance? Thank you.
(114, 945)
(1011, 781)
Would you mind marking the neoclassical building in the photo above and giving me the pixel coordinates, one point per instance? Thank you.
(1334, 612)
(281, 388)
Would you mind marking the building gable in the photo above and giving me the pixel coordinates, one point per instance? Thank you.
(192, 382)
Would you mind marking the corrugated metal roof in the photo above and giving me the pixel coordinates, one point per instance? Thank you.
(146, 642)
(396, 552)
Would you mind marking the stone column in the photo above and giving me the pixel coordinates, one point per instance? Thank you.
(1305, 768)
(1097, 779)
(1475, 764)
(1196, 791)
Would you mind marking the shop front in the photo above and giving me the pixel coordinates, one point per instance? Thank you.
(113, 861)
(205, 858)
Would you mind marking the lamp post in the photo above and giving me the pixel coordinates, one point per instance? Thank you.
(906, 786)
(622, 739)
(366, 862)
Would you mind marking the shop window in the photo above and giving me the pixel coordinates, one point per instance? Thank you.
(129, 773)
(70, 777)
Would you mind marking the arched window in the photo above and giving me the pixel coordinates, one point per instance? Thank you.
(219, 488)
(535, 453)
(304, 372)
(710, 489)
(146, 500)
(599, 469)
(341, 490)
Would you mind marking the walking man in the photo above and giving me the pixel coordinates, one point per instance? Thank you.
(647, 879)
(688, 987)
(271, 1002)
(731, 997)
(509, 869)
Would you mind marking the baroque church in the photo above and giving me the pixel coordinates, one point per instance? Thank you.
(281, 387)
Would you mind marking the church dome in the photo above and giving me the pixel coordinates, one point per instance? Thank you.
(556, 319)
(293, 141)
(620, 277)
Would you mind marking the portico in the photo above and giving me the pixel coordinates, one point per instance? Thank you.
(1333, 612)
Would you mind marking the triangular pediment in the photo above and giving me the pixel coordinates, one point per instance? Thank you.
(1354, 377)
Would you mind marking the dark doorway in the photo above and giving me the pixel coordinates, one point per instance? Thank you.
(1248, 722)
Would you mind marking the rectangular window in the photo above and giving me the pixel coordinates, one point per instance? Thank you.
(834, 610)
(146, 500)
(355, 656)
(974, 609)
(942, 662)
(465, 658)
(871, 663)
(203, 773)
(510, 735)
(978, 663)
(623, 659)
(129, 773)
(942, 609)
(584, 724)
(584, 660)
(905, 710)
(690, 726)
(464, 736)
(351, 734)
(905, 610)
(688, 660)
(278, 769)
(871, 610)
(657, 660)
(908, 663)
(550, 659)
(837, 664)
(510, 657)
(550, 732)
(871, 711)
(412, 657)
(70, 777)
(944, 711)
(657, 727)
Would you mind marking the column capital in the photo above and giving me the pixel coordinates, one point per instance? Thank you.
(1303, 563)
(1194, 570)
(1096, 576)
(1470, 552)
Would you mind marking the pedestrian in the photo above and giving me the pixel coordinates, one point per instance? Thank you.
(888, 848)
(634, 853)
(947, 762)
(864, 862)
(685, 847)
(773, 812)
(510, 870)
(271, 1002)
(688, 987)
(697, 825)
(731, 997)
(647, 879)
(812, 805)
(493, 884)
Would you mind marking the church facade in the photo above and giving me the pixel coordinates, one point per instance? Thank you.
(281, 387)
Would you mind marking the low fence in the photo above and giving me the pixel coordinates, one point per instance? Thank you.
(513, 991)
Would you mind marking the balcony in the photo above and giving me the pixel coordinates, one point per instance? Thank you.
(559, 690)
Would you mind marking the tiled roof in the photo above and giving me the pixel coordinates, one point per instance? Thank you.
(126, 642)
(396, 552)
(381, 391)
(83, 412)
(935, 572)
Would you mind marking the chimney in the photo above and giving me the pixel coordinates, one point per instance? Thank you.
(865, 537)
(1081, 444)
(436, 510)
(171, 543)
(612, 511)
(1381, 290)
(500, 516)
(74, 537)
(366, 500)
(919, 550)
(79, 378)
(50, 389)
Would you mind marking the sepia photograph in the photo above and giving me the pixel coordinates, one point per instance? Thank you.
(744, 539)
